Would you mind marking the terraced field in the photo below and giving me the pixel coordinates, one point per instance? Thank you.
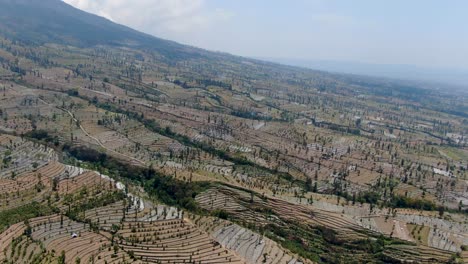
(253, 247)
(95, 219)
(124, 148)
(271, 214)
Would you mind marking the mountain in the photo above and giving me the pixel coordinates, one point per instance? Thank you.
(53, 21)
(455, 77)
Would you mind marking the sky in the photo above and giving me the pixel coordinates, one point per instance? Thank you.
(424, 33)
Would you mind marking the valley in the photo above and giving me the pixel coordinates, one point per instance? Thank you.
(141, 154)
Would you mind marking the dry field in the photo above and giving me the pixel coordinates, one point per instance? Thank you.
(121, 228)
(333, 162)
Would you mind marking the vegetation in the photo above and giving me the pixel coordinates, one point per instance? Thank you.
(321, 163)
(406, 202)
(166, 189)
(22, 213)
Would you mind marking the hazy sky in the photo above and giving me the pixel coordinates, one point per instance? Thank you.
(417, 32)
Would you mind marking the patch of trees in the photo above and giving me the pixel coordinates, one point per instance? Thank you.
(165, 188)
(42, 135)
(22, 213)
(368, 197)
(93, 202)
(205, 83)
(414, 203)
(72, 92)
(17, 69)
(175, 192)
(182, 84)
(210, 82)
(243, 113)
(340, 128)
(39, 135)
(220, 214)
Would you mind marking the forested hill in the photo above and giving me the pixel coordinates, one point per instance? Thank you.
(53, 21)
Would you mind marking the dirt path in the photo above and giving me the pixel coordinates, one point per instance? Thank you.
(94, 138)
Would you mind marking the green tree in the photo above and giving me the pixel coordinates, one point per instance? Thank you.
(61, 259)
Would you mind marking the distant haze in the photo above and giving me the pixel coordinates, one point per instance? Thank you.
(430, 34)
(455, 77)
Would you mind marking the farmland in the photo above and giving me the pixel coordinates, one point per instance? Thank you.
(120, 154)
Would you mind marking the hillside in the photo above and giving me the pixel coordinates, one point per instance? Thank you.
(121, 147)
(53, 21)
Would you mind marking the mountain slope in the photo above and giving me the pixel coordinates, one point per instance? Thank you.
(53, 21)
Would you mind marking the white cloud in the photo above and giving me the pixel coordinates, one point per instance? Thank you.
(160, 17)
